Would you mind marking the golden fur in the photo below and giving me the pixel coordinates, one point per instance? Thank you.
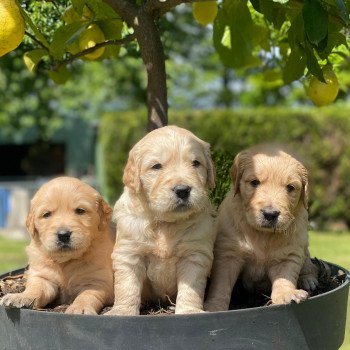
(73, 269)
(164, 244)
(262, 229)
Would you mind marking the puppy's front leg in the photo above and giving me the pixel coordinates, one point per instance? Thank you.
(284, 276)
(91, 300)
(128, 282)
(38, 293)
(192, 273)
(308, 278)
(222, 280)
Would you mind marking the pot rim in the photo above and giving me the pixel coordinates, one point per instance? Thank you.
(202, 314)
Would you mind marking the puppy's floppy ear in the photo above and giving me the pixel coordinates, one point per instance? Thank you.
(210, 166)
(131, 176)
(237, 169)
(30, 222)
(305, 185)
(105, 213)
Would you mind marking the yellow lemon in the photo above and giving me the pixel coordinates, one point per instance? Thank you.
(320, 93)
(91, 36)
(11, 26)
(204, 12)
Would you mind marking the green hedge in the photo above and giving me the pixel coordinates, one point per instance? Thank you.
(320, 136)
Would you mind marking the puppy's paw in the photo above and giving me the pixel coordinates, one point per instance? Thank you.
(77, 308)
(187, 310)
(212, 307)
(286, 296)
(118, 311)
(17, 300)
(308, 282)
(112, 312)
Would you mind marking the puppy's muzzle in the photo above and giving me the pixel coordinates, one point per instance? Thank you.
(270, 215)
(182, 192)
(63, 237)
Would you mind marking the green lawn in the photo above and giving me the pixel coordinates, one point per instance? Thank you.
(335, 248)
(332, 247)
(12, 254)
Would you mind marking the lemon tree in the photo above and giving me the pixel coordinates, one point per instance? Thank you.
(11, 26)
(284, 40)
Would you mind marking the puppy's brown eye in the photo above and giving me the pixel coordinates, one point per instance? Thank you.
(290, 188)
(47, 214)
(79, 211)
(196, 163)
(157, 166)
(255, 183)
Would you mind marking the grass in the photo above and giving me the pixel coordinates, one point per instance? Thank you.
(335, 248)
(329, 246)
(12, 254)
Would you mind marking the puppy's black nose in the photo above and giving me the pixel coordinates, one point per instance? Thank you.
(182, 191)
(270, 214)
(64, 235)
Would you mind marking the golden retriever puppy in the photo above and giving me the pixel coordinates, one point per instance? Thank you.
(165, 235)
(70, 250)
(262, 229)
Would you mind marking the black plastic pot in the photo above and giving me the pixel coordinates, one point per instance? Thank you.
(318, 323)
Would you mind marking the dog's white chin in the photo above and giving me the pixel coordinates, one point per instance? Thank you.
(64, 255)
(282, 225)
(174, 215)
(278, 227)
(174, 211)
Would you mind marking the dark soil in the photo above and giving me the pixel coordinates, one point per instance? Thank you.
(241, 299)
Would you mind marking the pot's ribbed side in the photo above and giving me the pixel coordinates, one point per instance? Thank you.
(318, 323)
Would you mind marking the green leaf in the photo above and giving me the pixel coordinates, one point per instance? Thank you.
(273, 12)
(261, 37)
(312, 63)
(334, 40)
(78, 5)
(38, 35)
(343, 12)
(112, 28)
(256, 5)
(281, 1)
(32, 58)
(343, 55)
(102, 9)
(296, 33)
(60, 76)
(295, 65)
(315, 21)
(233, 35)
(65, 36)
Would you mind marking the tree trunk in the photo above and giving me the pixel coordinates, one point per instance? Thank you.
(152, 54)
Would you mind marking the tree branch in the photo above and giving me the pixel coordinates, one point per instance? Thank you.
(122, 41)
(152, 54)
(37, 41)
(160, 7)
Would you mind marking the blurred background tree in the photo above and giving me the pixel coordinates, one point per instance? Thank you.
(276, 42)
(256, 53)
